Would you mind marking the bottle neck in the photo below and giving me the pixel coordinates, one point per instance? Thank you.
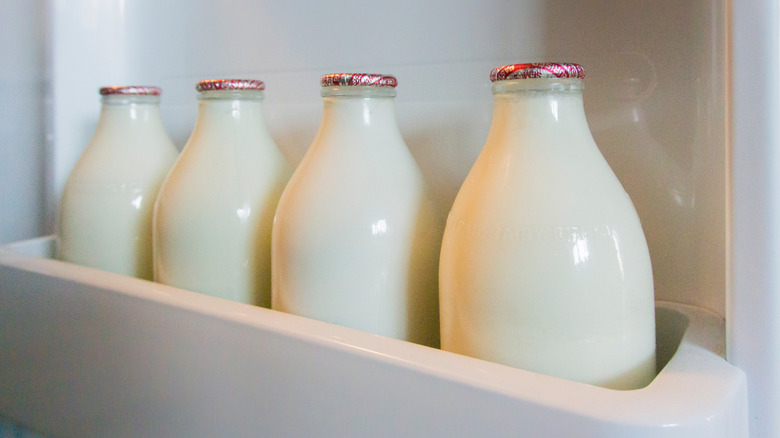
(358, 108)
(133, 112)
(230, 106)
(551, 106)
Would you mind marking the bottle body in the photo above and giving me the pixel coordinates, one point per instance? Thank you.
(357, 235)
(544, 264)
(105, 217)
(213, 218)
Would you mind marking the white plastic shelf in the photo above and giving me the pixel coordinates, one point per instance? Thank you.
(90, 353)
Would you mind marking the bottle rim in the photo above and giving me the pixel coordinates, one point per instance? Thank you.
(358, 80)
(537, 70)
(134, 90)
(230, 85)
(358, 92)
(538, 85)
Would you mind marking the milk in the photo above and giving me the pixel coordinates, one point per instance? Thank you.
(215, 210)
(544, 265)
(357, 236)
(105, 216)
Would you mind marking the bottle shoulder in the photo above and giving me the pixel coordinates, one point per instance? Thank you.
(336, 181)
(206, 152)
(352, 159)
(224, 176)
(564, 180)
(125, 159)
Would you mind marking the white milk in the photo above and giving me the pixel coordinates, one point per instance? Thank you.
(215, 211)
(357, 236)
(544, 265)
(105, 217)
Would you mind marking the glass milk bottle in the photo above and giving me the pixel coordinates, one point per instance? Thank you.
(105, 216)
(544, 265)
(357, 236)
(213, 218)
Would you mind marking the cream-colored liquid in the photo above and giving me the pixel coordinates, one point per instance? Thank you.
(544, 265)
(357, 237)
(105, 218)
(215, 211)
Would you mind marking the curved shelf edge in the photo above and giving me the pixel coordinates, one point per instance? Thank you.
(71, 337)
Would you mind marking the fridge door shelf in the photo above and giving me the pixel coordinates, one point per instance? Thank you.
(89, 353)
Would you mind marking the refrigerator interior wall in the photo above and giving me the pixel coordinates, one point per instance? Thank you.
(655, 100)
(22, 152)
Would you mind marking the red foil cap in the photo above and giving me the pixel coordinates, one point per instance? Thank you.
(230, 84)
(537, 70)
(130, 91)
(358, 79)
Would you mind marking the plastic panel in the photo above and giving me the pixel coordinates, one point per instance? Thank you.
(22, 151)
(90, 353)
(754, 303)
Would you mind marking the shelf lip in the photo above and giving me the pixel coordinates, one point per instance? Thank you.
(696, 385)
